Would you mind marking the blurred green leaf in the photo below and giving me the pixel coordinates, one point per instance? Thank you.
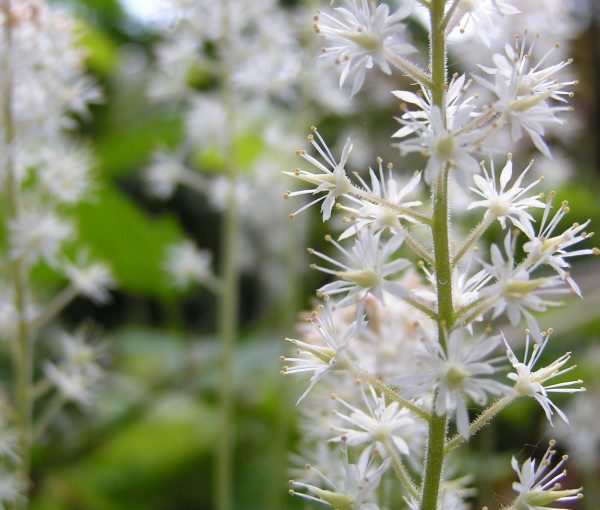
(132, 242)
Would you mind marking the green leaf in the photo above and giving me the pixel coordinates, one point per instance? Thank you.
(130, 241)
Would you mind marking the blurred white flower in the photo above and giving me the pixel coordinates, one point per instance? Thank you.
(187, 265)
(92, 280)
(39, 234)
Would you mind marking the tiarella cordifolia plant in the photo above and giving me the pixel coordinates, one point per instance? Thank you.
(395, 359)
(43, 173)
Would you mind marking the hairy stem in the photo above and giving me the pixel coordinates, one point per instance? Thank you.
(474, 236)
(400, 469)
(364, 376)
(434, 460)
(482, 420)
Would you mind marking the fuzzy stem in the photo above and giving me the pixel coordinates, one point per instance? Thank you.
(56, 305)
(408, 68)
(52, 409)
(474, 236)
(482, 420)
(364, 376)
(18, 271)
(400, 469)
(434, 461)
(370, 197)
(421, 307)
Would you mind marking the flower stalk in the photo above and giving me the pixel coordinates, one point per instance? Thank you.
(22, 342)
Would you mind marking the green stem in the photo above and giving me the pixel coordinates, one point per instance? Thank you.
(434, 461)
(482, 420)
(229, 289)
(18, 270)
(421, 307)
(474, 236)
(400, 469)
(50, 412)
(363, 376)
(55, 306)
(228, 332)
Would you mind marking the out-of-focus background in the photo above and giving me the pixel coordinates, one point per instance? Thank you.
(149, 441)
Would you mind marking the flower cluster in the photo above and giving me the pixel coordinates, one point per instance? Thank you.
(44, 92)
(395, 356)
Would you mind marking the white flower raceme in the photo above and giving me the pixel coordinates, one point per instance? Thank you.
(330, 177)
(483, 15)
(462, 372)
(545, 248)
(354, 491)
(525, 91)
(48, 82)
(381, 426)
(534, 383)
(367, 214)
(187, 265)
(361, 34)
(325, 353)
(539, 485)
(367, 270)
(505, 203)
(515, 292)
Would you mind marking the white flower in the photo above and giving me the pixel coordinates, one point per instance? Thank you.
(91, 280)
(12, 489)
(164, 174)
(188, 265)
(524, 91)
(325, 353)
(78, 373)
(515, 292)
(66, 174)
(544, 248)
(502, 203)
(368, 264)
(381, 425)
(361, 33)
(376, 216)
(441, 143)
(355, 490)
(39, 234)
(483, 15)
(533, 383)
(331, 177)
(459, 374)
(539, 485)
